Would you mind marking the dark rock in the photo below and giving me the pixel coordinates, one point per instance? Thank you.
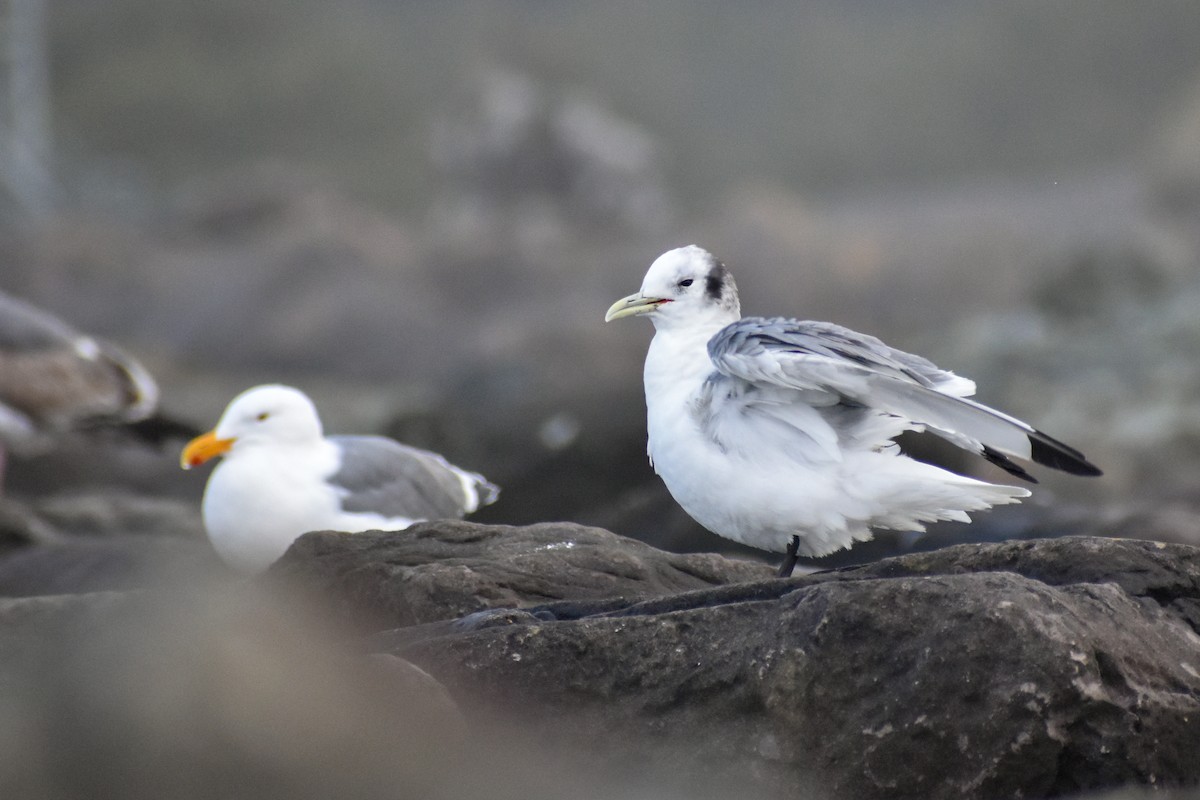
(522, 156)
(20, 526)
(115, 513)
(1075, 361)
(100, 540)
(111, 564)
(449, 568)
(1141, 793)
(1099, 283)
(108, 462)
(1030, 669)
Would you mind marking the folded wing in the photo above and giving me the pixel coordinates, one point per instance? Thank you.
(381, 475)
(863, 371)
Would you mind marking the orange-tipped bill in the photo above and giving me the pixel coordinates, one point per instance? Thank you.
(202, 448)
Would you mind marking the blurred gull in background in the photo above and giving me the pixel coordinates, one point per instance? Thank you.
(54, 379)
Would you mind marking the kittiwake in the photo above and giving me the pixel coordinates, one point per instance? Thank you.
(778, 433)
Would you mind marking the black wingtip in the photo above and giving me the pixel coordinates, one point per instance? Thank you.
(1007, 464)
(1050, 452)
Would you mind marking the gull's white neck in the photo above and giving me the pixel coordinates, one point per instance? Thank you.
(677, 362)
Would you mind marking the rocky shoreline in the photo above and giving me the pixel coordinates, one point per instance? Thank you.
(1042, 668)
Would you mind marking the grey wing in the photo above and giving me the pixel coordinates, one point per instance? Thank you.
(58, 378)
(386, 477)
(862, 369)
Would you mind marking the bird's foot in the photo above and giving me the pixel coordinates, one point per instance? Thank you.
(789, 559)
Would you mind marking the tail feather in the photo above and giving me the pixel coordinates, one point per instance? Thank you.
(914, 493)
(478, 491)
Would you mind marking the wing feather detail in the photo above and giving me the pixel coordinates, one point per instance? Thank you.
(821, 356)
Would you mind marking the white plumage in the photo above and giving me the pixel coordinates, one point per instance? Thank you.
(778, 433)
(281, 477)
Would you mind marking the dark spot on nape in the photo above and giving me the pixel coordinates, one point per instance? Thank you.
(714, 282)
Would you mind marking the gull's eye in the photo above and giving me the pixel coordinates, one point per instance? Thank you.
(262, 417)
(686, 282)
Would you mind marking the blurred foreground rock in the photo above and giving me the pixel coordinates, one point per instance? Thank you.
(220, 692)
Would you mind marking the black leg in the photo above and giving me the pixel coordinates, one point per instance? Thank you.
(789, 558)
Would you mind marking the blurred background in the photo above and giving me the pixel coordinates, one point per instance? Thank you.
(418, 213)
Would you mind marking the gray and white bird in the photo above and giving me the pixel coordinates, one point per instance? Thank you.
(54, 379)
(779, 433)
(280, 476)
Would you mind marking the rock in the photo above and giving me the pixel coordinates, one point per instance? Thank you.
(521, 158)
(1175, 177)
(449, 568)
(1102, 356)
(27, 622)
(20, 527)
(108, 480)
(113, 513)
(1027, 669)
(210, 691)
(118, 563)
(105, 539)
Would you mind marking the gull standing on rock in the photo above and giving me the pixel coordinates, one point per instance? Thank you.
(778, 433)
(281, 477)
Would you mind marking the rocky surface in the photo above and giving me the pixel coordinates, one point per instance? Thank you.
(1031, 669)
(446, 569)
(121, 563)
(99, 540)
(569, 661)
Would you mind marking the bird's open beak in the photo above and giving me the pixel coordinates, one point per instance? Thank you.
(633, 306)
(202, 448)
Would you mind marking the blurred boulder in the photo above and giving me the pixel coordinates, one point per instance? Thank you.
(115, 563)
(262, 266)
(1033, 669)
(21, 526)
(1101, 283)
(205, 692)
(1103, 358)
(525, 163)
(1175, 158)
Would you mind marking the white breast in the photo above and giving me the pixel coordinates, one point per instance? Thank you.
(755, 492)
(259, 500)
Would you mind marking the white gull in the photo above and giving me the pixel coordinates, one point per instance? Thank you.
(281, 477)
(779, 433)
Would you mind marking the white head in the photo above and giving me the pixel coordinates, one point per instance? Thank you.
(263, 415)
(687, 286)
